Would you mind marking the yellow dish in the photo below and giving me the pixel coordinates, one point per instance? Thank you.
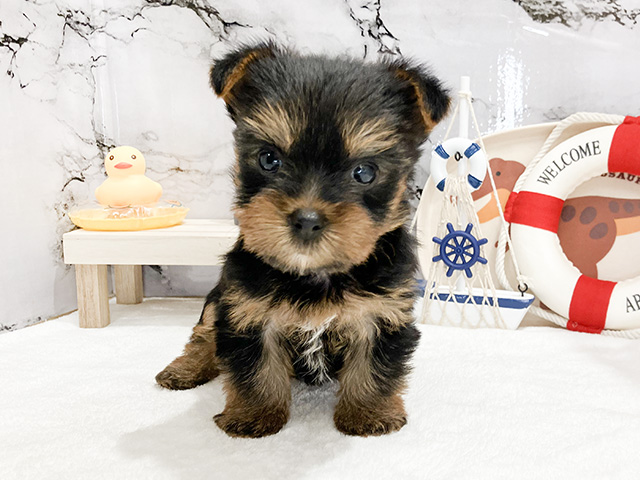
(109, 219)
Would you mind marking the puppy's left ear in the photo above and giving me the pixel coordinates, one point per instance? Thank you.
(425, 92)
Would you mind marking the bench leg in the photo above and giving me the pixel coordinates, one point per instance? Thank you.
(93, 295)
(128, 283)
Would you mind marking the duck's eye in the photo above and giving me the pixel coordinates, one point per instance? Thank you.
(133, 156)
(269, 161)
(365, 173)
(111, 157)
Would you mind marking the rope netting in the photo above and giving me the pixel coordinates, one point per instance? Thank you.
(464, 295)
(459, 296)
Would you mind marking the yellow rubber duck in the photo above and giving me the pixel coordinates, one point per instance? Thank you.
(127, 185)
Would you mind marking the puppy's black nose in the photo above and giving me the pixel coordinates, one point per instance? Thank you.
(307, 223)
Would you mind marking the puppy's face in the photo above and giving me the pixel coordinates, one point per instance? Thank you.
(325, 148)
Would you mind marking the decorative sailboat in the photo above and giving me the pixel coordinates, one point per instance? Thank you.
(459, 290)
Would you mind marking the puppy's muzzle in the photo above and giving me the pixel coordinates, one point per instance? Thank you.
(307, 224)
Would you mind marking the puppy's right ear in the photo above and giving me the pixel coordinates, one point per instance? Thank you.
(228, 73)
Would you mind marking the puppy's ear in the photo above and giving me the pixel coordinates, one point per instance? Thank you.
(228, 73)
(424, 91)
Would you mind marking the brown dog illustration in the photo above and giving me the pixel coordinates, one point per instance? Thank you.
(588, 225)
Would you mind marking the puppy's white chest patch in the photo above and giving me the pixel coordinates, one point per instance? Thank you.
(311, 353)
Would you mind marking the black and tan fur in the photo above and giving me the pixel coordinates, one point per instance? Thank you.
(337, 305)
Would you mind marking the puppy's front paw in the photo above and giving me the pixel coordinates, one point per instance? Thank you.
(356, 420)
(251, 424)
(179, 379)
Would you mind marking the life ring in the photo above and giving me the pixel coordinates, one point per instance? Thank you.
(458, 147)
(590, 305)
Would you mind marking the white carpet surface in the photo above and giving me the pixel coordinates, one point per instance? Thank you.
(534, 403)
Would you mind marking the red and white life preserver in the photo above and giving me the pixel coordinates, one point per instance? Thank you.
(534, 212)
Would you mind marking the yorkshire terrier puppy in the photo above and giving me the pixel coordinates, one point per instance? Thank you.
(320, 284)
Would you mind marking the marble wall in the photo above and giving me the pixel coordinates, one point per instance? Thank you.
(80, 76)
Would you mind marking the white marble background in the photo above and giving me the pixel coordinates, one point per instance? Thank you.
(80, 76)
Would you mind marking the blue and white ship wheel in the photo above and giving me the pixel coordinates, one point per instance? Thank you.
(458, 148)
(459, 250)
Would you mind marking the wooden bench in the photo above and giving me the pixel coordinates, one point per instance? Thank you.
(195, 242)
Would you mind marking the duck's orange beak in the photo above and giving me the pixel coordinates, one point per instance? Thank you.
(122, 165)
(490, 210)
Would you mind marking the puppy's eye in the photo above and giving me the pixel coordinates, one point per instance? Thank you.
(269, 161)
(364, 173)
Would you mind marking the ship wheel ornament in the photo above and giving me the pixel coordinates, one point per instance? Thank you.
(459, 250)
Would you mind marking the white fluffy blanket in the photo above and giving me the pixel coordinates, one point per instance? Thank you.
(534, 403)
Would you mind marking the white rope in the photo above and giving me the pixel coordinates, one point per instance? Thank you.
(500, 256)
(562, 322)
(630, 334)
(521, 283)
(581, 117)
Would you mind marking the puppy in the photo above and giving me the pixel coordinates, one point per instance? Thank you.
(320, 284)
